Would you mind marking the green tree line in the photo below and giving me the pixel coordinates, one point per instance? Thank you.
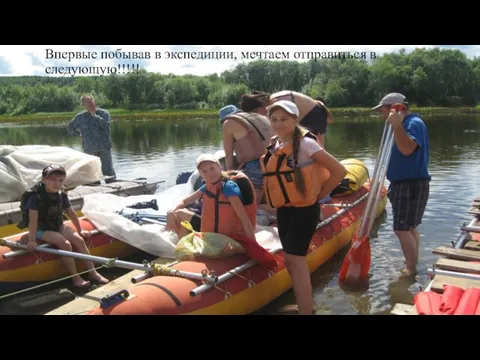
(429, 77)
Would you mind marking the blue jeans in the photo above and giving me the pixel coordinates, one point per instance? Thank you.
(252, 170)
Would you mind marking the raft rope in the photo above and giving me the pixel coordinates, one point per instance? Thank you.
(162, 269)
(226, 292)
(250, 282)
(106, 265)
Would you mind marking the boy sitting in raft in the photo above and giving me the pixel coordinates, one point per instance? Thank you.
(42, 211)
(234, 195)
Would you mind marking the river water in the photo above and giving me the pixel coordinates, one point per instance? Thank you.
(160, 150)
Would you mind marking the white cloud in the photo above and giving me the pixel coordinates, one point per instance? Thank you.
(27, 59)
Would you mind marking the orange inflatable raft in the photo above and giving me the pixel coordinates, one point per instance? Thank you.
(243, 285)
(27, 270)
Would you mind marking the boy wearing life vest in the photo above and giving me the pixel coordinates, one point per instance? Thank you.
(42, 211)
(229, 207)
(298, 172)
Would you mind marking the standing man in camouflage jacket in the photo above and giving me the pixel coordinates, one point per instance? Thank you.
(93, 125)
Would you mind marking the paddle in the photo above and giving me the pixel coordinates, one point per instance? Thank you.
(16, 253)
(357, 262)
(156, 269)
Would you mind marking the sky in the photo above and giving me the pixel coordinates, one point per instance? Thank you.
(61, 60)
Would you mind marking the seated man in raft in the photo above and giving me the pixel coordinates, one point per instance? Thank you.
(234, 193)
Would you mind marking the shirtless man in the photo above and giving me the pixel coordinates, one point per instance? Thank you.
(247, 134)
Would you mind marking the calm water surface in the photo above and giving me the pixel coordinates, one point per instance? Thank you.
(160, 150)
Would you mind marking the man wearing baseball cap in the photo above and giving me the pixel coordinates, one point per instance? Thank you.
(408, 175)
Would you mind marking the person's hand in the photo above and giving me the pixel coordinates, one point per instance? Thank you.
(31, 245)
(85, 234)
(395, 118)
(173, 223)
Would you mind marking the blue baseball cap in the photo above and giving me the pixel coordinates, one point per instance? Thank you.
(225, 111)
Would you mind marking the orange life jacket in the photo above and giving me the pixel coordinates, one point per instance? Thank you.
(218, 214)
(279, 177)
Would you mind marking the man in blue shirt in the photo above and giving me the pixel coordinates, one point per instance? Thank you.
(93, 124)
(408, 175)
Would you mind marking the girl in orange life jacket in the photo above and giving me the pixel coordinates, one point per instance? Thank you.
(229, 207)
(298, 172)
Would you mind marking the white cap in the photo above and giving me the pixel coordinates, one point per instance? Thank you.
(207, 157)
(287, 105)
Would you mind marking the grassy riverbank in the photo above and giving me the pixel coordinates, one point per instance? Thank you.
(127, 115)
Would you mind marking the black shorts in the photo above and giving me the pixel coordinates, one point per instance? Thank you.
(316, 120)
(409, 200)
(196, 222)
(296, 226)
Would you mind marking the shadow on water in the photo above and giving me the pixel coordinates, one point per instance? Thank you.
(159, 150)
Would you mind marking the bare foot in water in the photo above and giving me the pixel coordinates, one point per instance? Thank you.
(98, 278)
(408, 272)
(79, 282)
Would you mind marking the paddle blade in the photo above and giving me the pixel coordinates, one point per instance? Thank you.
(356, 265)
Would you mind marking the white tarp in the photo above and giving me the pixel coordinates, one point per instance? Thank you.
(21, 167)
(154, 239)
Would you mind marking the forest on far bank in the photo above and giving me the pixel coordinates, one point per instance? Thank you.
(428, 77)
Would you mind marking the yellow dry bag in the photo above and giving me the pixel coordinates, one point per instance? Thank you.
(357, 175)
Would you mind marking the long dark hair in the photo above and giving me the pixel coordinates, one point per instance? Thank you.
(251, 102)
(329, 114)
(299, 181)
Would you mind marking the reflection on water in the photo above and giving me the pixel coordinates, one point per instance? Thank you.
(160, 150)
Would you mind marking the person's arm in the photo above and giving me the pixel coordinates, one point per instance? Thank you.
(104, 118)
(336, 169)
(406, 145)
(72, 215)
(173, 223)
(233, 193)
(242, 215)
(407, 140)
(32, 229)
(76, 222)
(73, 126)
(189, 199)
(228, 141)
(31, 206)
